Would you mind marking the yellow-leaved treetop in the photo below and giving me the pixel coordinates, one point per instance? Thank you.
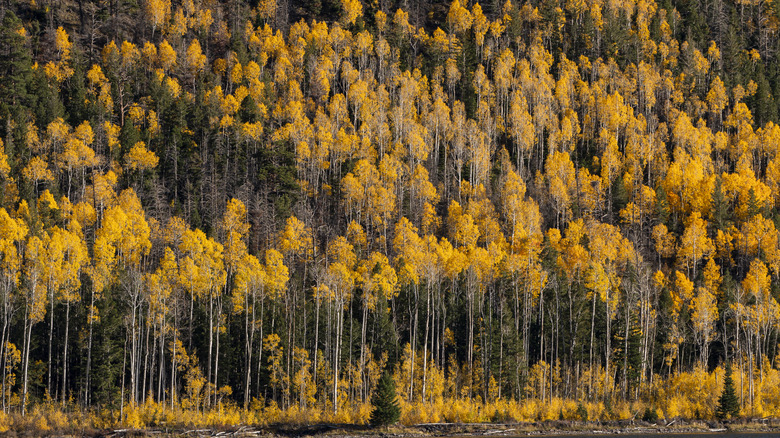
(694, 243)
(704, 310)
(196, 60)
(66, 256)
(35, 300)
(123, 241)
(352, 10)
(234, 227)
(12, 234)
(140, 158)
(5, 168)
(159, 11)
(296, 239)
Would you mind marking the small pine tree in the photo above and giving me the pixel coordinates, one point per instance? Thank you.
(728, 403)
(386, 410)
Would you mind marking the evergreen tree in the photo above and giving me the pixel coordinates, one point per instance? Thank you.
(728, 403)
(720, 207)
(386, 410)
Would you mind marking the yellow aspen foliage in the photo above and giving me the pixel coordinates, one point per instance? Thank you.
(166, 55)
(102, 190)
(463, 229)
(35, 260)
(484, 213)
(711, 276)
(250, 279)
(352, 10)
(112, 135)
(704, 314)
(149, 54)
(277, 274)
(159, 11)
(296, 238)
(574, 258)
(192, 277)
(152, 124)
(694, 243)
(682, 291)
(597, 281)
(84, 133)
(136, 114)
(80, 214)
(560, 179)
(62, 43)
(234, 227)
(409, 250)
(757, 237)
(717, 97)
(757, 281)
(523, 215)
(179, 24)
(751, 193)
(303, 380)
(764, 310)
(377, 278)
(659, 279)
(66, 254)
(140, 158)
(267, 9)
(129, 55)
(608, 245)
(12, 232)
(76, 155)
(57, 132)
(271, 344)
(37, 170)
(459, 19)
(480, 24)
(196, 60)
(46, 200)
(202, 20)
(683, 183)
(236, 73)
(125, 228)
(5, 168)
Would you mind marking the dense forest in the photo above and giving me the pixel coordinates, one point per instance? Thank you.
(537, 210)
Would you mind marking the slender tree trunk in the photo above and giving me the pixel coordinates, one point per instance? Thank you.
(174, 351)
(88, 382)
(145, 364)
(414, 341)
(65, 353)
(607, 351)
(363, 374)
(336, 356)
(211, 341)
(316, 335)
(625, 351)
(425, 341)
(260, 350)
(27, 337)
(249, 332)
(51, 341)
(4, 347)
(216, 352)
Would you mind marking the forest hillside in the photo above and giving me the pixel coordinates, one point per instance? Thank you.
(224, 212)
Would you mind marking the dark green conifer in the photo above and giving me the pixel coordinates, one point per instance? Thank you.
(728, 403)
(386, 410)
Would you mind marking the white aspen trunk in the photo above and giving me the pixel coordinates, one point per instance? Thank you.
(27, 337)
(65, 352)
